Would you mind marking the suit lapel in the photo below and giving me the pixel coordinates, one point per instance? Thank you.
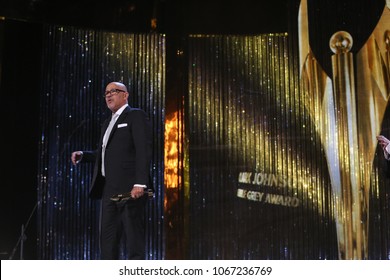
(118, 120)
(104, 128)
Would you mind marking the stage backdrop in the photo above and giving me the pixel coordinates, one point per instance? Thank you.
(262, 165)
(77, 65)
(272, 154)
(259, 181)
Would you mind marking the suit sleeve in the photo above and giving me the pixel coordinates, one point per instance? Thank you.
(142, 137)
(89, 156)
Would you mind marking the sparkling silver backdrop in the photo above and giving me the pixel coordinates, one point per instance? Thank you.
(77, 65)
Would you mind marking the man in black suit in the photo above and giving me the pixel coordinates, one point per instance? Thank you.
(122, 166)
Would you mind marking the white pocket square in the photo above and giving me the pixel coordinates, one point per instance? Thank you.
(122, 125)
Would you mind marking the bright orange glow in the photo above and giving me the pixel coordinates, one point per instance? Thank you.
(172, 150)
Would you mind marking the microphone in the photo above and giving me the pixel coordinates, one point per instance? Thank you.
(127, 196)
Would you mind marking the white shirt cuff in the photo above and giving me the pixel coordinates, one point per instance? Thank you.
(141, 186)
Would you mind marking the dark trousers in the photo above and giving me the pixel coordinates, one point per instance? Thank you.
(122, 219)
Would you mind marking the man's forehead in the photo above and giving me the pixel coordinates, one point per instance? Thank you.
(116, 84)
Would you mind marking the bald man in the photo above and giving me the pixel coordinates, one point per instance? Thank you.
(122, 166)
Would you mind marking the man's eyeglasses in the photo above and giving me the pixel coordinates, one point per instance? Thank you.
(113, 91)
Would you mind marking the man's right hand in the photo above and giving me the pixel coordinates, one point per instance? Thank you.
(383, 141)
(76, 157)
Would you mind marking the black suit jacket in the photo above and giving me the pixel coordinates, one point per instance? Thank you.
(128, 155)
